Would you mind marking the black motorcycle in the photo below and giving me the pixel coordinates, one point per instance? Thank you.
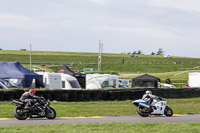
(40, 109)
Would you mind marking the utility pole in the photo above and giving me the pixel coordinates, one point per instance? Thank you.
(30, 56)
(100, 55)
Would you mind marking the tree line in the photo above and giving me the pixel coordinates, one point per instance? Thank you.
(159, 52)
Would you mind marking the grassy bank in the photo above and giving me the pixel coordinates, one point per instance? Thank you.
(110, 62)
(106, 128)
(106, 108)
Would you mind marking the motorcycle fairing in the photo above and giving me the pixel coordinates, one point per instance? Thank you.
(159, 107)
(140, 101)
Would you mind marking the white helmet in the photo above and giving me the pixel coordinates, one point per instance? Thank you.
(148, 92)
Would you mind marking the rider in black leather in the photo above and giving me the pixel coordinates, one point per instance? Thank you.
(29, 98)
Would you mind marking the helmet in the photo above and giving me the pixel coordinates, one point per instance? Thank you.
(32, 91)
(148, 92)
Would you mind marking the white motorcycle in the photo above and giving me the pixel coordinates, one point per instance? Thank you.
(158, 107)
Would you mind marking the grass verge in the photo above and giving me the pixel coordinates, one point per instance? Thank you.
(106, 128)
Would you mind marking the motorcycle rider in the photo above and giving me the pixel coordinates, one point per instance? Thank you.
(149, 98)
(29, 98)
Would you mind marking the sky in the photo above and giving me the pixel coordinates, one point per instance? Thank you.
(121, 25)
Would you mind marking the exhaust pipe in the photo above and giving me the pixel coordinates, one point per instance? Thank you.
(144, 105)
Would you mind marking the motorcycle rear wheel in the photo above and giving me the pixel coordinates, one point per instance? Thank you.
(50, 113)
(19, 114)
(142, 111)
(168, 111)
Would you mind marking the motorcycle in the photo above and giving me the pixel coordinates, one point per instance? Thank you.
(40, 109)
(158, 107)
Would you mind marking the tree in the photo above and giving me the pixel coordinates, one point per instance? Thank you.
(153, 53)
(139, 52)
(134, 52)
(160, 51)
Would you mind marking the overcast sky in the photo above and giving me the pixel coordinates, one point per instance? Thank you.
(121, 25)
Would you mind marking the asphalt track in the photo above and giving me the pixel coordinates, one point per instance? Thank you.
(118, 119)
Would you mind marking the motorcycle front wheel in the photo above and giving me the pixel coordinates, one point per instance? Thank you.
(50, 113)
(142, 111)
(168, 111)
(18, 113)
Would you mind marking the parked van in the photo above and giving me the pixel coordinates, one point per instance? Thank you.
(97, 81)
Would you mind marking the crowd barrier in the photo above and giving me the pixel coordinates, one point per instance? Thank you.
(105, 95)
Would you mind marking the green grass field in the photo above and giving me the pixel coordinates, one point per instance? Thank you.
(106, 128)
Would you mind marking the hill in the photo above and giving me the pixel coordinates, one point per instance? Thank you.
(110, 62)
(175, 67)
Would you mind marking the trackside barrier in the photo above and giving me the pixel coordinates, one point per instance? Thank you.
(105, 95)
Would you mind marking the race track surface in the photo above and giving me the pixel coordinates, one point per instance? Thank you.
(118, 119)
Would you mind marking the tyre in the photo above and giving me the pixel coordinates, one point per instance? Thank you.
(19, 114)
(50, 113)
(142, 111)
(168, 111)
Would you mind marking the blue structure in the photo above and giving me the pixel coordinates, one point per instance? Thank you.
(14, 70)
